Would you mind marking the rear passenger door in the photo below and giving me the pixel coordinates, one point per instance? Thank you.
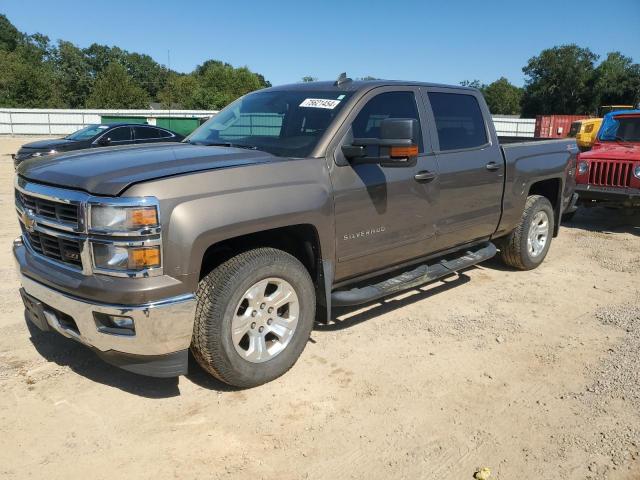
(146, 134)
(470, 166)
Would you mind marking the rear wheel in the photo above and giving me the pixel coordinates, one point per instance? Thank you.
(254, 316)
(528, 244)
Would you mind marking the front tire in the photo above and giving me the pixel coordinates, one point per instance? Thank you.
(528, 244)
(254, 316)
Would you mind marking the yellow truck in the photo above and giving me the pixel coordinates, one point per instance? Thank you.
(585, 132)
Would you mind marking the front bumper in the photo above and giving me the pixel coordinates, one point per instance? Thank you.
(615, 195)
(162, 329)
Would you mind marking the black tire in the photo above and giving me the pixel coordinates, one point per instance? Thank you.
(513, 248)
(218, 296)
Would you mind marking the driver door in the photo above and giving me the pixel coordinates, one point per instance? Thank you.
(380, 214)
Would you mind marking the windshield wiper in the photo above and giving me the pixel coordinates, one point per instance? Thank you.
(226, 144)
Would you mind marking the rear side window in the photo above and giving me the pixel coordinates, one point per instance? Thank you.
(146, 133)
(165, 134)
(120, 134)
(459, 121)
(385, 105)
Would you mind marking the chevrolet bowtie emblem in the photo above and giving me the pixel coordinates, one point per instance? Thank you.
(29, 220)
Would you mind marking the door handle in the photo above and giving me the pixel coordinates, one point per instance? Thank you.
(424, 176)
(492, 166)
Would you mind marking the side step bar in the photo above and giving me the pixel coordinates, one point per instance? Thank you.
(418, 276)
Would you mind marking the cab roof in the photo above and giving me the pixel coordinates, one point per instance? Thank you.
(356, 85)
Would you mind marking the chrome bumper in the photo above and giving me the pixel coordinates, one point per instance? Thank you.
(161, 327)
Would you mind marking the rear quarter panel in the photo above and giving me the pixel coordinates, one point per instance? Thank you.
(531, 162)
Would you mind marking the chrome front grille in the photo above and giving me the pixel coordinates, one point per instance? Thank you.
(64, 250)
(63, 213)
(55, 227)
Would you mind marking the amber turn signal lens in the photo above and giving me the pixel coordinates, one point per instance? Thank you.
(146, 257)
(143, 217)
(403, 152)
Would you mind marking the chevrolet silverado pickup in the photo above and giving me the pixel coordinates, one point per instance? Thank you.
(291, 201)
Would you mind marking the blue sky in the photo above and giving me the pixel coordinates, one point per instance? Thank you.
(442, 41)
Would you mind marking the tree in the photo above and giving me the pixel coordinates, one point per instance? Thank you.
(25, 84)
(115, 88)
(10, 37)
(179, 89)
(502, 97)
(617, 81)
(559, 80)
(74, 73)
(308, 79)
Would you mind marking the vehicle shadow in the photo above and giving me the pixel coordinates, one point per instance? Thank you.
(605, 220)
(389, 304)
(83, 361)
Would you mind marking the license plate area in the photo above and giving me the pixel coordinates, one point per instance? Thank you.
(35, 311)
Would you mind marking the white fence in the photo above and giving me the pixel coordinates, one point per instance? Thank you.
(514, 127)
(36, 121)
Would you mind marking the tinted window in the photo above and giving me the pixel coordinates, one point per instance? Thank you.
(146, 133)
(385, 105)
(164, 133)
(119, 134)
(459, 120)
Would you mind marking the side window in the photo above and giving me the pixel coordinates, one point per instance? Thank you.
(146, 133)
(120, 134)
(164, 134)
(386, 105)
(459, 120)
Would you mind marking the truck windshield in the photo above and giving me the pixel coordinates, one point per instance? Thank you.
(620, 128)
(283, 123)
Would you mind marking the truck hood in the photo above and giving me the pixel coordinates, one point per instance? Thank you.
(613, 152)
(109, 171)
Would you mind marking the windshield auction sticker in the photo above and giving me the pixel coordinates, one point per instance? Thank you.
(320, 103)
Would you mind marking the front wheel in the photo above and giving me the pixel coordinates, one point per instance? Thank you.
(254, 316)
(528, 244)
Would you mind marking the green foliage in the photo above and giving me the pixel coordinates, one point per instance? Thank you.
(560, 80)
(502, 97)
(36, 73)
(617, 81)
(308, 79)
(115, 88)
(212, 85)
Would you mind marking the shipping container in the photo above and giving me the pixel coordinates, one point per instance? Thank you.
(555, 126)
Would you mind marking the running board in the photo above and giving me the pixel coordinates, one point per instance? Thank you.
(418, 276)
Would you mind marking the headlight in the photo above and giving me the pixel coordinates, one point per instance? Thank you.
(583, 167)
(109, 218)
(121, 258)
(636, 172)
(42, 154)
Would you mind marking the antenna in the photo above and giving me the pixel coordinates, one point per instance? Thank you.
(342, 78)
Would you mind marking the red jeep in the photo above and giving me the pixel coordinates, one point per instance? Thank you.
(609, 174)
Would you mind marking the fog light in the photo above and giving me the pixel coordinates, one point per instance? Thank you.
(114, 324)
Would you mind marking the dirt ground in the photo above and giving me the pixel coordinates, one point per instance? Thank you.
(532, 374)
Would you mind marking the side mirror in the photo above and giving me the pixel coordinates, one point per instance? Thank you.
(396, 146)
(104, 141)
